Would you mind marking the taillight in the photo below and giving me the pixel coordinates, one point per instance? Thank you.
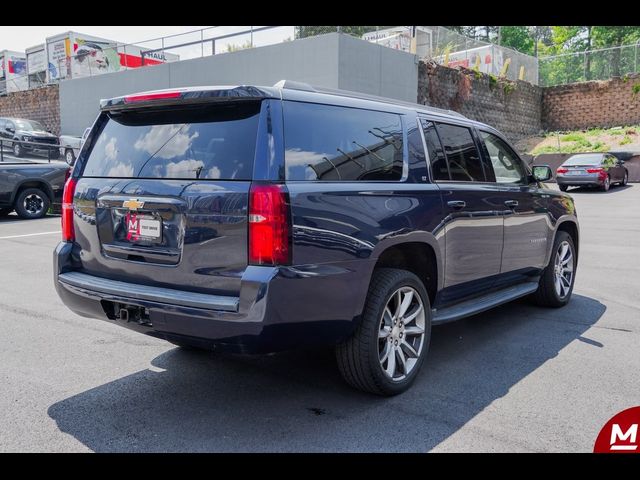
(268, 225)
(595, 170)
(146, 97)
(562, 170)
(68, 234)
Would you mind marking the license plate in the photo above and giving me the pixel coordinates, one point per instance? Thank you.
(575, 172)
(143, 227)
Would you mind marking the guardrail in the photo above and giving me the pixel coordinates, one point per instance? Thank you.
(40, 146)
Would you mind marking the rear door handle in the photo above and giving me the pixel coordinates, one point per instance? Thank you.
(456, 204)
(511, 203)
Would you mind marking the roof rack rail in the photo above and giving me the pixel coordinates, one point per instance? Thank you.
(291, 85)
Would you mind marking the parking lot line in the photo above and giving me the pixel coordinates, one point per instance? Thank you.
(28, 235)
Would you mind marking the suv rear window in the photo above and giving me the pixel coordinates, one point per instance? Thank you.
(213, 142)
(325, 142)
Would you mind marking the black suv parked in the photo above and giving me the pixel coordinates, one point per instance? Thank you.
(257, 219)
(27, 136)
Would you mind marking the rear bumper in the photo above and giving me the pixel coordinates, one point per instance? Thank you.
(571, 180)
(277, 308)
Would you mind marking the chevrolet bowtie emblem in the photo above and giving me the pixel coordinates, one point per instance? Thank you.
(132, 204)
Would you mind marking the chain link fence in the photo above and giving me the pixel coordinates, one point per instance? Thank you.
(600, 64)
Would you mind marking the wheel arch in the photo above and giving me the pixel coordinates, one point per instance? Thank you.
(571, 227)
(33, 183)
(417, 256)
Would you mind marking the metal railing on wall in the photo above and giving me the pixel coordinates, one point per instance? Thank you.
(52, 150)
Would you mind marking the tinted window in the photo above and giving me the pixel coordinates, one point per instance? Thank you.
(584, 160)
(2, 123)
(462, 154)
(207, 143)
(29, 125)
(438, 161)
(507, 167)
(324, 142)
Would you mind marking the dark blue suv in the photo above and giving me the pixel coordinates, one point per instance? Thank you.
(257, 219)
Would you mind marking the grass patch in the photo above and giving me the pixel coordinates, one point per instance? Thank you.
(573, 147)
(545, 149)
(573, 137)
(626, 140)
(594, 132)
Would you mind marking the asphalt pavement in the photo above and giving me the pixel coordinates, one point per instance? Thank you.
(518, 378)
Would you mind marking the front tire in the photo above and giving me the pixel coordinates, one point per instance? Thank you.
(557, 280)
(385, 353)
(32, 203)
(625, 179)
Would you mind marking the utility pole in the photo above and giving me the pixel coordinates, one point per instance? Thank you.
(499, 35)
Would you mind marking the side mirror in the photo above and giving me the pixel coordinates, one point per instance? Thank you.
(11, 130)
(542, 173)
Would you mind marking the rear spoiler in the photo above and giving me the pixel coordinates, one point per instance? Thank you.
(187, 96)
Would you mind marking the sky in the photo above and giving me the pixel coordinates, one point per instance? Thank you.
(21, 37)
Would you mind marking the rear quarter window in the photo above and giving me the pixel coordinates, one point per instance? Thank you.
(211, 142)
(332, 143)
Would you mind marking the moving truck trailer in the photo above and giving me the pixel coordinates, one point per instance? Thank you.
(76, 55)
(13, 72)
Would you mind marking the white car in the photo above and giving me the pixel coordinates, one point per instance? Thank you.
(70, 146)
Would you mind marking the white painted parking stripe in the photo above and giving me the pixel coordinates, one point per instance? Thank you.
(29, 235)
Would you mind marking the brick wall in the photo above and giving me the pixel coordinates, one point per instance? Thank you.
(41, 104)
(514, 108)
(576, 106)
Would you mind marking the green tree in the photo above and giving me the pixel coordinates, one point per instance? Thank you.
(517, 37)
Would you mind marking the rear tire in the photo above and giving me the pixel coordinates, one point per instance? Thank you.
(607, 184)
(550, 293)
(18, 151)
(32, 203)
(395, 330)
(69, 156)
(563, 188)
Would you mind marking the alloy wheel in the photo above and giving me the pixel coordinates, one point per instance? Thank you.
(401, 333)
(33, 204)
(563, 269)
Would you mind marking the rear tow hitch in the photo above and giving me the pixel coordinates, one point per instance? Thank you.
(127, 313)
